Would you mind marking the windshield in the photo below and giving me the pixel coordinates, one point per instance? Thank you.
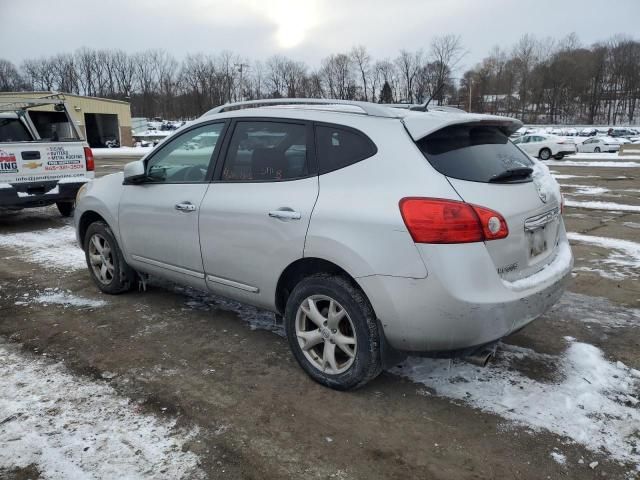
(472, 152)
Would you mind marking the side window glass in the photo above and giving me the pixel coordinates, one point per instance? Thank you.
(337, 148)
(186, 158)
(263, 151)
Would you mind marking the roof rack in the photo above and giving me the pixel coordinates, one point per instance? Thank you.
(371, 109)
(23, 103)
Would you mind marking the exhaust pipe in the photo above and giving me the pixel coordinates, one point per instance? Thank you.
(482, 357)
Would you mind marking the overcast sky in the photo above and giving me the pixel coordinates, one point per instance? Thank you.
(302, 29)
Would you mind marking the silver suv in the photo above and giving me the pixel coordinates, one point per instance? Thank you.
(370, 230)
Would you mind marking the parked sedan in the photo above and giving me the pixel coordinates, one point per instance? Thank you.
(600, 144)
(545, 146)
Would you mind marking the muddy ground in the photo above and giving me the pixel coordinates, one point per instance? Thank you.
(260, 416)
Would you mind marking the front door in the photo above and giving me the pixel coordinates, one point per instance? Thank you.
(255, 215)
(159, 218)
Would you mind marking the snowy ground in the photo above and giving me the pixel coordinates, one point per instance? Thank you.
(72, 427)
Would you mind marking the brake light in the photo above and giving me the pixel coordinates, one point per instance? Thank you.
(88, 158)
(435, 220)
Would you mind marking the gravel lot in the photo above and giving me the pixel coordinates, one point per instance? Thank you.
(173, 383)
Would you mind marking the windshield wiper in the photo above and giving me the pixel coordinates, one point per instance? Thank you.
(519, 173)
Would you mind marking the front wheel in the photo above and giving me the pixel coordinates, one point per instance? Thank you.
(545, 154)
(66, 208)
(333, 332)
(106, 263)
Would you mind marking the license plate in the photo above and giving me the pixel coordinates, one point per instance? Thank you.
(537, 241)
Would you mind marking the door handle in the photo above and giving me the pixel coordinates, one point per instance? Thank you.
(185, 207)
(285, 214)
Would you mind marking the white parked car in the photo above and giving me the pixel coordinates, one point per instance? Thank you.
(365, 228)
(600, 144)
(544, 146)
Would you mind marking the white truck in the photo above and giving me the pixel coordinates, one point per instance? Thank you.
(43, 158)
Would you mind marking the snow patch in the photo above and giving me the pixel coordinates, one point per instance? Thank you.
(67, 299)
(570, 163)
(588, 402)
(72, 427)
(54, 247)
(559, 457)
(595, 311)
(594, 205)
(625, 255)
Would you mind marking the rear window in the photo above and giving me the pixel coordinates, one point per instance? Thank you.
(52, 126)
(474, 153)
(13, 130)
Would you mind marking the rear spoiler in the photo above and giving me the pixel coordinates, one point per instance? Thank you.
(419, 125)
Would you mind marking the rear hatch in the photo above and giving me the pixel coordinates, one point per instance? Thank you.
(486, 169)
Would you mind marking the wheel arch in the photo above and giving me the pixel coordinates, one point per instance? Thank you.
(300, 269)
(87, 218)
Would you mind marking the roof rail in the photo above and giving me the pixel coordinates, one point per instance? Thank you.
(371, 109)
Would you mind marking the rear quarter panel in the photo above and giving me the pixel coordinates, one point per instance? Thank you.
(356, 222)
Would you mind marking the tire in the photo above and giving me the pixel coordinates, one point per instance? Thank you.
(358, 326)
(596, 150)
(66, 208)
(545, 154)
(117, 276)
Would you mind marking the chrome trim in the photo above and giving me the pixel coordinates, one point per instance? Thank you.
(173, 268)
(231, 283)
(533, 223)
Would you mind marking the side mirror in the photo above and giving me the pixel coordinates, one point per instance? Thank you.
(134, 172)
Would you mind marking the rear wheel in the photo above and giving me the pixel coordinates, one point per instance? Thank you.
(105, 260)
(545, 154)
(66, 208)
(596, 150)
(333, 332)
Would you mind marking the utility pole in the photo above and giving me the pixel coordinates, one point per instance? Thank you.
(240, 66)
(470, 83)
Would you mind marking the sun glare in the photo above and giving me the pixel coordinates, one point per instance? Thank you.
(293, 19)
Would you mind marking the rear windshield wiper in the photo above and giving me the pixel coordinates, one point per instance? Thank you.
(519, 173)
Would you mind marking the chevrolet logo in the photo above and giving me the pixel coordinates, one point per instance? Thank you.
(32, 165)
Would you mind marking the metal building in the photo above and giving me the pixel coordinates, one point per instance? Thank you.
(98, 119)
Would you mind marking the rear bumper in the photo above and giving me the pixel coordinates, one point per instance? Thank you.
(462, 303)
(20, 194)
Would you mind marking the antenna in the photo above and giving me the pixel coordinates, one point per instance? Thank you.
(423, 107)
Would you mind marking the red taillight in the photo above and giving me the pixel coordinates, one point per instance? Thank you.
(435, 220)
(88, 158)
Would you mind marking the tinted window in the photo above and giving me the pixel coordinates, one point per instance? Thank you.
(261, 151)
(186, 158)
(337, 148)
(13, 130)
(475, 153)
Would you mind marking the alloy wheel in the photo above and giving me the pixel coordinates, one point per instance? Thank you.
(101, 259)
(326, 334)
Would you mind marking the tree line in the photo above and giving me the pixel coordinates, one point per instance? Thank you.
(537, 80)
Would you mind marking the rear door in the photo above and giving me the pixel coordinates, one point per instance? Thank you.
(255, 215)
(472, 156)
(158, 219)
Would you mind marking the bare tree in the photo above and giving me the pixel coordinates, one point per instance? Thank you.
(362, 60)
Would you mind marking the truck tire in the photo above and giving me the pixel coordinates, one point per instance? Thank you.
(107, 266)
(66, 208)
(333, 332)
